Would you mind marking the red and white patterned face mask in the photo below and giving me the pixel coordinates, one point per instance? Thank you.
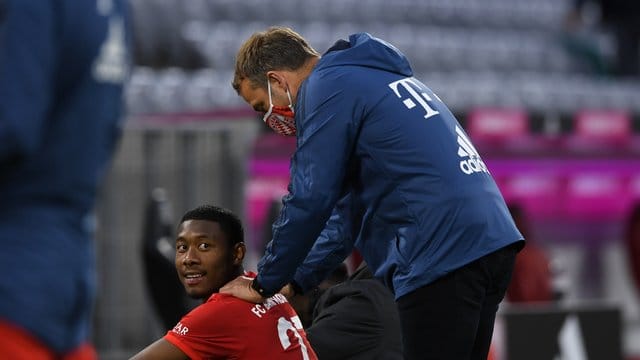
(280, 118)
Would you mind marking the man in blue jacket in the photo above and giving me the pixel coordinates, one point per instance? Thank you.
(62, 68)
(381, 165)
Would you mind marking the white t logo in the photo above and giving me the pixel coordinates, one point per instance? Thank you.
(409, 102)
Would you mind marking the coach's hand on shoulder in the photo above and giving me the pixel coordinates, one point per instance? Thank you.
(288, 291)
(240, 287)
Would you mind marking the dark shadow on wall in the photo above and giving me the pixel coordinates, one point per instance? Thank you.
(158, 252)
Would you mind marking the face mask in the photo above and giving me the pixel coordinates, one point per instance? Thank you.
(280, 118)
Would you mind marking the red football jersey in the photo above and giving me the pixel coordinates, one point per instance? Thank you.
(226, 327)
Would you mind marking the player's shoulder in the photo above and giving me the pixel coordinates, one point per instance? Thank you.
(218, 299)
(276, 301)
(221, 306)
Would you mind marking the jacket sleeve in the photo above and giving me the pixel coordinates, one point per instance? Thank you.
(333, 245)
(27, 62)
(318, 168)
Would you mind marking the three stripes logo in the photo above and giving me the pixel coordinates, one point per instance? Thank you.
(466, 150)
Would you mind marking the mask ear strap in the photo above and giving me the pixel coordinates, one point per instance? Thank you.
(289, 96)
(265, 118)
(269, 91)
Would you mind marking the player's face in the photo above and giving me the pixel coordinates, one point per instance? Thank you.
(204, 259)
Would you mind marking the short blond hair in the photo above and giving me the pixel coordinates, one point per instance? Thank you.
(277, 48)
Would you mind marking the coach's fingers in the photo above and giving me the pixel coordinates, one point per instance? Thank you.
(240, 287)
(288, 291)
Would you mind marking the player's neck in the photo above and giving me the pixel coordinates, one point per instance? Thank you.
(239, 272)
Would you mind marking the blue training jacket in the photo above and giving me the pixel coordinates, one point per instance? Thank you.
(62, 68)
(381, 164)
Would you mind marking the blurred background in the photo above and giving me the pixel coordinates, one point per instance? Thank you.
(543, 87)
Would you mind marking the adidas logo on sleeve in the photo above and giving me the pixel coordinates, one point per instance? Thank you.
(466, 150)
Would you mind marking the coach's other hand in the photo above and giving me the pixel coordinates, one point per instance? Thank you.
(240, 287)
(288, 291)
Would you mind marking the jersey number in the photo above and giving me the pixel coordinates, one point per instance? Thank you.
(284, 325)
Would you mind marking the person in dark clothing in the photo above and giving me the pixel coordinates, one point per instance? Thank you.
(382, 166)
(158, 258)
(621, 17)
(356, 319)
(532, 279)
(63, 65)
(632, 243)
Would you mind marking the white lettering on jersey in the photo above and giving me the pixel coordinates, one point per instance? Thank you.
(180, 329)
(286, 327)
(277, 299)
(258, 310)
(410, 85)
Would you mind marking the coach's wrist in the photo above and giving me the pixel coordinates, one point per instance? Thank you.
(255, 285)
(297, 289)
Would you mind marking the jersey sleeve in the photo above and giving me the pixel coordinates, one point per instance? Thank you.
(207, 331)
(333, 245)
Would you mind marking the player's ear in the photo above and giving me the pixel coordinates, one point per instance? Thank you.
(239, 250)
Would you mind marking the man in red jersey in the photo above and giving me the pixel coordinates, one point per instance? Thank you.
(209, 253)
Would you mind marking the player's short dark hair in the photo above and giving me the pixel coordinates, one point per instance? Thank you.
(230, 223)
